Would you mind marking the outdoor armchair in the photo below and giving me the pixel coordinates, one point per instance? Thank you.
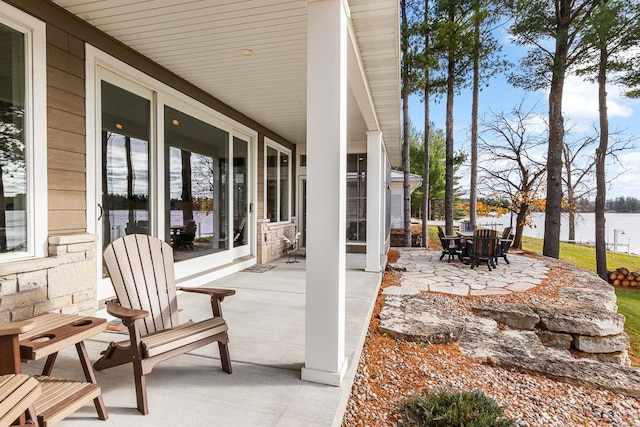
(142, 274)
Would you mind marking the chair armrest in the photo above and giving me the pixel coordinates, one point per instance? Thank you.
(15, 328)
(214, 292)
(127, 314)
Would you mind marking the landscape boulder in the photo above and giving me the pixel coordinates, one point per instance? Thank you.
(412, 318)
(591, 321)
(512, 315)
(608, 344)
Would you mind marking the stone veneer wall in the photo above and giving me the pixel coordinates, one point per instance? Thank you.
(64, 282)
(270, 243)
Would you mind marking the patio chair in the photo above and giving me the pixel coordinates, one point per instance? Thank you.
(504, 243)
(185, 236)
(451, 246)
(141, 271)
(484, 248)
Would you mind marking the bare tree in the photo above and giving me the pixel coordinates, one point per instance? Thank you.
(513, 166)
(577, 175)
(579, 161)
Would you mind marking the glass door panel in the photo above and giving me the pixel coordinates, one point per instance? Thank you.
(196, 179)
(126, 123)
(240, 192)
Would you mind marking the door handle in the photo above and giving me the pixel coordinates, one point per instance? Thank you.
(101, 212)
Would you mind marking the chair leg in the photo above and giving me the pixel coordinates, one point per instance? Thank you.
(224, 356)
(141, 389)
(442, 256)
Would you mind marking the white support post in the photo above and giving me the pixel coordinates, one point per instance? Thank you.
(375, 205)
(325, 360)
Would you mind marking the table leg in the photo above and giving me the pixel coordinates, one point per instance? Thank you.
(48, 367)
(91, 377)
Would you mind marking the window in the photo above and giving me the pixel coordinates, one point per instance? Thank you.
(357, 197)
(278, 182)
(23, 226)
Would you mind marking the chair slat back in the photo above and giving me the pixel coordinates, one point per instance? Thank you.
(444, 242)
(506, 232)
(484, 243)
(141, 271)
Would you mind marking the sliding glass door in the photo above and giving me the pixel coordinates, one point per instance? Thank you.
(167, 167)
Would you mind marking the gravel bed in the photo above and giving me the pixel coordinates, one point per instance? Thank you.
(389, 371)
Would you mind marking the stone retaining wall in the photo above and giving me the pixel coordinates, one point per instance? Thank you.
(270, 243)
(64, 282)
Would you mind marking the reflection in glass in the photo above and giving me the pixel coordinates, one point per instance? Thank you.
(125, 163)
(272, 177)
(196, 173)
(284, 187)
(13, 168)
(356, 197)
(240, 192)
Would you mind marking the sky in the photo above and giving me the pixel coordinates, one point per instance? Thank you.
(580, 110)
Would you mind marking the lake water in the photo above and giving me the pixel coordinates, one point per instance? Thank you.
(628, 226)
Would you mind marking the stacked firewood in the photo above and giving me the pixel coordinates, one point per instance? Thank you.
(625, 278)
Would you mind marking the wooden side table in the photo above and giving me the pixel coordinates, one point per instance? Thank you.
(44, 337)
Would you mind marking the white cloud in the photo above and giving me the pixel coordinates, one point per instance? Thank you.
(627, 183)
(580, 102)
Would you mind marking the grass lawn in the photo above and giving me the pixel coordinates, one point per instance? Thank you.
(629, 305)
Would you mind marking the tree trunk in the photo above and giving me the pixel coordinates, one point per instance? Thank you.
(473, 184)
(572, 224)
(521, 220)
(187, 199)
(551, 246)
(406, 205)
(571, 202)
(427, 134)
(406, 166)
(130, 202)
(448, 185)
(601, 153)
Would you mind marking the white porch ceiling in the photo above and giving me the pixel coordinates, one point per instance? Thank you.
(199, 40)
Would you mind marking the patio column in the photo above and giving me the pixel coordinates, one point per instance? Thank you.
(325, 360)
(375, 203)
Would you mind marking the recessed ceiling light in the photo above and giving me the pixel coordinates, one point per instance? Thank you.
(247, 53)
(296, 102)
(175, 122)
(119, 126)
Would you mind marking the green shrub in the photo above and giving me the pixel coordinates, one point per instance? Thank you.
(447, 408)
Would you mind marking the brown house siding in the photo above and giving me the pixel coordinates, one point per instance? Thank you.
(66, 133)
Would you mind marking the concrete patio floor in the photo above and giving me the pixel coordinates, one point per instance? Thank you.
(266, 329)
